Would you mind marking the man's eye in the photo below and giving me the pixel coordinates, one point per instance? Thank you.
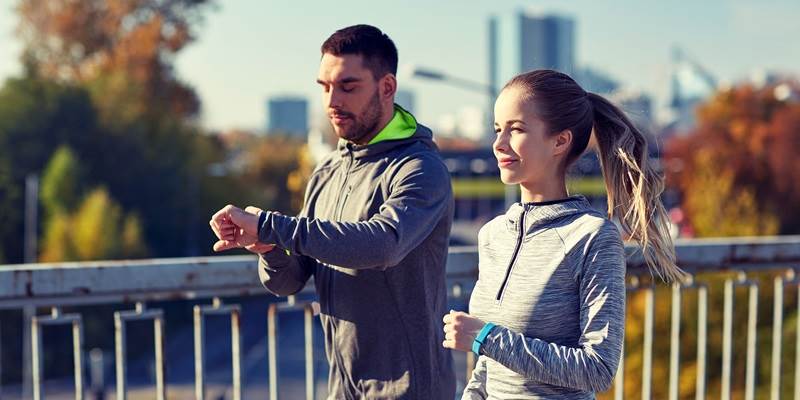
(348, 89)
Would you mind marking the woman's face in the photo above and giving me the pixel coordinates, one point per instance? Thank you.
(526, 153)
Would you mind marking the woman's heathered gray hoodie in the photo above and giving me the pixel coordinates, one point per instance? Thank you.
(552, 277)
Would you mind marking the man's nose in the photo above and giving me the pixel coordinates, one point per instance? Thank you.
(334, 98)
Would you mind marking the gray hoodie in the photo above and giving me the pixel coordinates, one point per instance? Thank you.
(552, 277)
(374, 233)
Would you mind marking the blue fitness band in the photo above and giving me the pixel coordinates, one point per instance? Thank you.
(476, 344)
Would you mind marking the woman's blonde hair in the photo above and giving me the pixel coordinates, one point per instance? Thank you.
(633, 186)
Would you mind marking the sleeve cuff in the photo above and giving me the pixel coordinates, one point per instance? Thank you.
(478, 342)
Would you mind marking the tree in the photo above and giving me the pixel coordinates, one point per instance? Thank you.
(57, 243)
(738, 169)
(96, 230)
(36, 117)
(61, 182)
(9, 196)
(270, 166)
(298, 179)
(132, 40)
(99, 79)
(94, 227)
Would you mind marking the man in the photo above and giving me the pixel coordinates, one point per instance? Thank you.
(373, 232)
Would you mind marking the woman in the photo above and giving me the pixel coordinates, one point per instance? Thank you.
(547, 315)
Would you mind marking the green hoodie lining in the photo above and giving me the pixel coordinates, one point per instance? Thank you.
(402, 126)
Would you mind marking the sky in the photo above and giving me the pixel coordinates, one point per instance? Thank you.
(249, 50)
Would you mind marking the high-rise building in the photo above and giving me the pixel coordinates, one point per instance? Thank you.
(287, 115)
(691, 83)
(520, 42)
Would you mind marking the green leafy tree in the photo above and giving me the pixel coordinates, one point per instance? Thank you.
(95, 227)
(57, 243)
(9, 195)
(61, 182)
(97, 230)
(36, 117)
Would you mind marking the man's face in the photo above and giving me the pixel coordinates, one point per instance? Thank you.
(351, 96)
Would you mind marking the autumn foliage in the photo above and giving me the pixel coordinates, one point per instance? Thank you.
(738, 171)
(134, 40)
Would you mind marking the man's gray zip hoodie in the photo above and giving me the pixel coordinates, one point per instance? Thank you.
(374, 234)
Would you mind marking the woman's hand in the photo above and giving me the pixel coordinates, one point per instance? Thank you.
(460, 330)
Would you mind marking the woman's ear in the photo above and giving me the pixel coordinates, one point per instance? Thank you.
(562, 142)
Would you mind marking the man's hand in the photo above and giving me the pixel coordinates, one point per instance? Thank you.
(460, 330)
(237, 228)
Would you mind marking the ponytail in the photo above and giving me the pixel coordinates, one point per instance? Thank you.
(633, 187)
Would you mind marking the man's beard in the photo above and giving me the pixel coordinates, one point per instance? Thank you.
(365, 124)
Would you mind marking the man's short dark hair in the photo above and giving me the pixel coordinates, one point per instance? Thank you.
(377, 50)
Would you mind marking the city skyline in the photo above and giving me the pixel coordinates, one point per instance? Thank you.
(244, 55)
(287, 115)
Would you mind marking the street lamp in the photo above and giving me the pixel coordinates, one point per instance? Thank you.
(424, 73)
(487, 89)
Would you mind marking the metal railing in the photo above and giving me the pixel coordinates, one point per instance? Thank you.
(139, 282)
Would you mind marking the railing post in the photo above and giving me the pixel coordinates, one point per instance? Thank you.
(752, 320)
(647, 356)
(37, 356)
(727, 339)
(702, 335)
(797, 351)
(675, 342)
(120, 320)
(619, 377)
(777, 337)
(199, 354)
(28, 312)
(217, 308)
(308, 323)
(675, 337)
(727, 336)
(309, 311)
(272, 340)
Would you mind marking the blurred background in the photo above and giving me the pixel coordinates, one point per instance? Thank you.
(124, 124)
